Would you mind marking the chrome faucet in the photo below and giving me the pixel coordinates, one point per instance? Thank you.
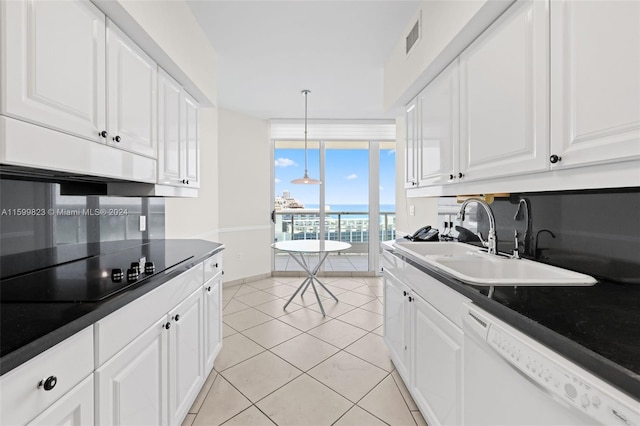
(492, 239)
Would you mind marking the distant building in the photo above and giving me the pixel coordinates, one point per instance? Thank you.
(285, 201)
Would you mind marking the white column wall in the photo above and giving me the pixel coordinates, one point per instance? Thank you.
(245, 173)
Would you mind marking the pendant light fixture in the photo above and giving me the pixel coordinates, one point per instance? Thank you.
(306, 179)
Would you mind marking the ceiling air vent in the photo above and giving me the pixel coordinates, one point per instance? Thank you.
(413, 36)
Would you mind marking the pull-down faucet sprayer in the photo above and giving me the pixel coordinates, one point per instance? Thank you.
(492, 240)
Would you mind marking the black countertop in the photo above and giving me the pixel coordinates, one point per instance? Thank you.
(27, 329)
(596, 327)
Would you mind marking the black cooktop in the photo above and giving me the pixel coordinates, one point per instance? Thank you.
(54, 275)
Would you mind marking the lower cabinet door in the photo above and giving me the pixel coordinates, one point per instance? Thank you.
(186, 352)
(396, 325)
(212, 320)
(436, 367)
(73, 409)
(132, 386)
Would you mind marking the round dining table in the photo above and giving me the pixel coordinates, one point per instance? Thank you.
(297, 249)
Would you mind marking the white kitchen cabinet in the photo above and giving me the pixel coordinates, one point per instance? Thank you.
(411, 145)
(595, 82)
(436, 364)
(154, 350)
(132, 100)
(73, 409)
(186, 355)
(504, 96)
(169, 129)
(190, 152)
(53, 65)
(396, 323)
(132, 387)
(437, 153)
(38, 384)
(178, 136)
(212, 320)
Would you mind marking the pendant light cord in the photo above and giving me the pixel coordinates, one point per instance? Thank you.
(305, 92)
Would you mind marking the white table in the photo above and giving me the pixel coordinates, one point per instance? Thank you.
(297, 249)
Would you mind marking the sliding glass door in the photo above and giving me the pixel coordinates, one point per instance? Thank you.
(350, 205)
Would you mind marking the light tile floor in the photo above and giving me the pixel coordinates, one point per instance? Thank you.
(297, 367)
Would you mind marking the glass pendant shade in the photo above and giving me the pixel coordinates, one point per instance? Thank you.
(306, 180)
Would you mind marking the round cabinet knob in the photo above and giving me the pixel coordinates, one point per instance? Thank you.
(149, 268)
(460, 175)
(117, 139)
(404, 293)
(167, 325)
(177, 318)
(187, 181)
(117, 275)
(104, 134)
(554, 159)
(451, 176)
(48, 383)
(209, 288)
(410, 299)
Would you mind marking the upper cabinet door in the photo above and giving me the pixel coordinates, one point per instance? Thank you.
(131, 98)
(191, 141)
(169, 129)
(411, 145)
(439, 122)
(53, 61)
(595, 81)
(504, 86)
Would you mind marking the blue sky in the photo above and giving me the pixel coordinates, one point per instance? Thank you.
(346, 177)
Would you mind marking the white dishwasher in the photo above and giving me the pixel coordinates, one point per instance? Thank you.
(510, 379)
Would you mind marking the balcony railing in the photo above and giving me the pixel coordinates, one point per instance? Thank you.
(350, 227)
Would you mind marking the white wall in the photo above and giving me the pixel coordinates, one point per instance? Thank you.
(244, 171)
(441, 22)
(448, 27)
(426, 209)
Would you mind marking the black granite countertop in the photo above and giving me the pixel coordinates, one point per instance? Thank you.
(28, 329)
(596, 327)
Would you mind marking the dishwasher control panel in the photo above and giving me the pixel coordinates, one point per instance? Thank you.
(560, 378)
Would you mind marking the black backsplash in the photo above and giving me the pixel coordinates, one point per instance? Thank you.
(34, 216)
(594, 232)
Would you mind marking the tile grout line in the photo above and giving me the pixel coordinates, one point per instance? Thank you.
(303, 372)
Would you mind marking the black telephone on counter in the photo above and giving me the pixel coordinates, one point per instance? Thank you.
(426, 233)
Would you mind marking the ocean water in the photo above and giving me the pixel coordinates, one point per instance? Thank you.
(354, 208)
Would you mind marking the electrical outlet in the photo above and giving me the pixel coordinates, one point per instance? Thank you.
(412, 210)
(238, 256)
(143, 224)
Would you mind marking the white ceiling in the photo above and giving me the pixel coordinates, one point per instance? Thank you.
(268, 51)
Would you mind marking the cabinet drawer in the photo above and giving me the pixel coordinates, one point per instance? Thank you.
(212, 266)
(120, 328)
(446, 300)
(69, 362)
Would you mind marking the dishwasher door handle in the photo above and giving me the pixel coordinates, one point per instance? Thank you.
(475, 322)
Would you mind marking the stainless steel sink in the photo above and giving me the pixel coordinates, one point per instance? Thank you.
(472, 266)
